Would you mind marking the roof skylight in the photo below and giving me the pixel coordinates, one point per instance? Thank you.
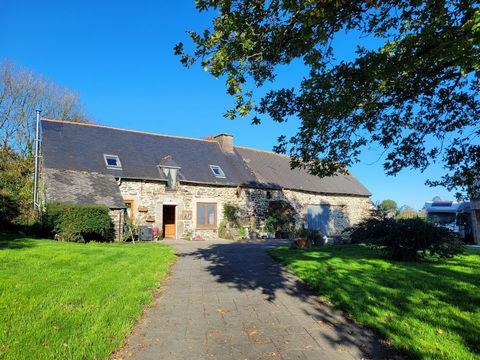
(112, 161)
(217, 171)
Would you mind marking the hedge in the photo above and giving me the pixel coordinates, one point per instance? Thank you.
(79, 223)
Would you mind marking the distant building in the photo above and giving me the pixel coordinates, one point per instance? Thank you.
(475, 219)
(462, 217)
(442, 212)
(464, 220)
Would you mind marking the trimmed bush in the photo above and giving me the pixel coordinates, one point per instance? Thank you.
(78, 223)
(407, 239)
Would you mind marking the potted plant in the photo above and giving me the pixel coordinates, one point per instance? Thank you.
(156, 233)
(301, 240)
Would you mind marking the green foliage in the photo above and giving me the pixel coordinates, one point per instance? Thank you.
(280, 216)
(428, 310)
(230, 214)
(78, 222)
(241, 233)
(74, 301)
(271, 224)
(224, 232)
(407, 239)
(231, 228)
(388, 208)
(9, 210)
(70, 234)
(407, 212)
(420, 83)
(21, 92)
(301, 233)
(15, 188)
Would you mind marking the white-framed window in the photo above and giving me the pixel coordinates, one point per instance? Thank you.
(217, 171)
(112, 161)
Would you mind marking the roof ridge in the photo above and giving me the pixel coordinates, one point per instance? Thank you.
(260, 150)
(125, 130)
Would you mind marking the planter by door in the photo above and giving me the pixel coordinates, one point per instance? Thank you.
(169, 223)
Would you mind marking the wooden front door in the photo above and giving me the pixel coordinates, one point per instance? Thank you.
(169, 225)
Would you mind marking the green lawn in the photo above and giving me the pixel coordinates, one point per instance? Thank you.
(73, 301)
(429, 310)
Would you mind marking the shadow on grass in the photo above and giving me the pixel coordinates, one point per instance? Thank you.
(248, 267)
(411, 302)
(12, 241)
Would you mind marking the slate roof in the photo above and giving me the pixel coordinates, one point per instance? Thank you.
(80, 148)
(168, 162)
(269, 167)
(89, 188)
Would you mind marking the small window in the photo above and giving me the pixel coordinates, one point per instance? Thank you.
(217, 171)
(129, 209)
(112, 161)
(206, 215)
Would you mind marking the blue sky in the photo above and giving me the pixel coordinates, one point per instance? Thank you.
(117, 55)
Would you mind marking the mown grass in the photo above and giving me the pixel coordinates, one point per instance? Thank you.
(428, 310)
(73, 301)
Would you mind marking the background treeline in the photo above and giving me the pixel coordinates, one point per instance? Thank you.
(21, 93)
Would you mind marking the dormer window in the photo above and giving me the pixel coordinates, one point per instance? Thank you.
(112, 162)
(217, 171)
(170, 169)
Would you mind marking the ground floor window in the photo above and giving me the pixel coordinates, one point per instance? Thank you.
(129, 209)
(206, 215)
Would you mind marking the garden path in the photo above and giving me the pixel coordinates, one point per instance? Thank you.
(228, 300)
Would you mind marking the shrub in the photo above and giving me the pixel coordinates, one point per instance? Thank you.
(230, 214)
(241, 233)
(315, 237)
(16, 183)
(271, 223)
(77, 222)
(407, 239)
(224, 232)
(9, 209)
(71, 235)
(280, 216)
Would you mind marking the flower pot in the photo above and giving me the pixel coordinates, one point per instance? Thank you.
(301, 243)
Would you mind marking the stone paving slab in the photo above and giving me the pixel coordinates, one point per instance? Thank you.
(227, 300)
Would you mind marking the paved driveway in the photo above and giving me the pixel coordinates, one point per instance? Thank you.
(228, 300)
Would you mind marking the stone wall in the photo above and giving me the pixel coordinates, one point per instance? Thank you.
(345, 210)
(117, 219)
(149, 197)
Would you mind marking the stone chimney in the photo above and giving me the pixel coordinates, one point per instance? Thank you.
(225, 141)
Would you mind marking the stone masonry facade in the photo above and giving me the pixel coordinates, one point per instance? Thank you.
(118, 219)
(149, 197)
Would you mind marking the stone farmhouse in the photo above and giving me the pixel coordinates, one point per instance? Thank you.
(180, 184)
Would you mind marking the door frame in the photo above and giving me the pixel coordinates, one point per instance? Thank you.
(174, 206)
